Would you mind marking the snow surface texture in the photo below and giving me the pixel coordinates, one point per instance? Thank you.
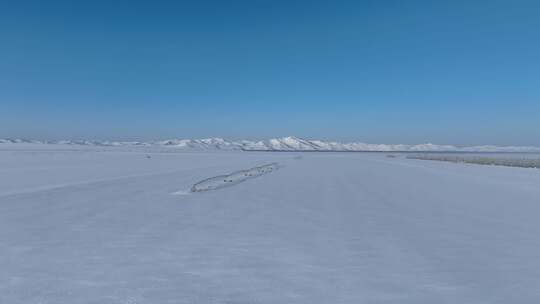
(91, 226)
(290, 143)
(234, 178)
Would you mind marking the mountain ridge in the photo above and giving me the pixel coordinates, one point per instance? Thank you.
(289, 143)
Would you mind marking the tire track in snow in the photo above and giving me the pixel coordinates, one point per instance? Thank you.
(88, 182)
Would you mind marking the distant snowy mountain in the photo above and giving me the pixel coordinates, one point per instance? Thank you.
(200, 144)
(297, 144)
(289, 143)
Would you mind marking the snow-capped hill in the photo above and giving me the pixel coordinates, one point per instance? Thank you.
(201, 144)
(18, 141)
(522, 149)
(432, 147)
(292, 143)
(289, 143)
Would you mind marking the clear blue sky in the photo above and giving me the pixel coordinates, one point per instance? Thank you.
(456, 72)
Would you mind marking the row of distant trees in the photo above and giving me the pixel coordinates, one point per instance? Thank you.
(483, 160)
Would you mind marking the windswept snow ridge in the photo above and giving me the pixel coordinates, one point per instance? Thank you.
(234, 178)
(289, 143)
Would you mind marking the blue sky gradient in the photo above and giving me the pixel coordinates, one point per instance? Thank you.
(448, 72)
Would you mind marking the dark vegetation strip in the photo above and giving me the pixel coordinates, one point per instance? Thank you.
(479, 160)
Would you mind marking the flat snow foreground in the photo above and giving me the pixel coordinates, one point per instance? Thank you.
(108, 226)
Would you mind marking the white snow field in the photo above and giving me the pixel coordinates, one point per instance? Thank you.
(106, 226)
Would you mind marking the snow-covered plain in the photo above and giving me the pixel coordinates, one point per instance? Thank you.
(105, 225)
